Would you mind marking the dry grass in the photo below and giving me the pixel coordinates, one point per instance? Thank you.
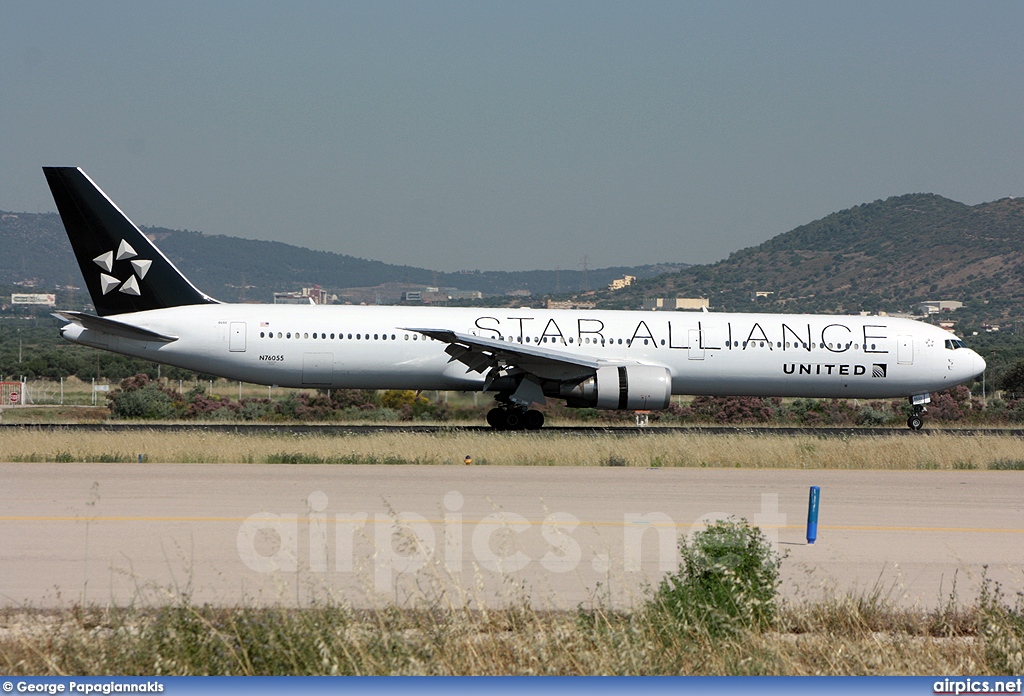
(939, 451)
(185, 639)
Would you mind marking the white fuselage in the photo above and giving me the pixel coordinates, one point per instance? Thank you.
(705, 353)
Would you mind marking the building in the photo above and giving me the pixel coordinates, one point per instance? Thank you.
(761, 293)
(622, 282)
(567, 304)
(313, 295)
(47, 300)
(936, 306)
(671, 304)
(465, 294)
(412, 296)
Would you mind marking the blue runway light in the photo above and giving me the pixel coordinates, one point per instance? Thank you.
(812, 514)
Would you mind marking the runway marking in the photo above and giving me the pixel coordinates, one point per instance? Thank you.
(582, 523)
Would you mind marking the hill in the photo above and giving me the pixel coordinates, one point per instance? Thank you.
(882, 256)
(34, 248)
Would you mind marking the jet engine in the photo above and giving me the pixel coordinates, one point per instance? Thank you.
(624, 387)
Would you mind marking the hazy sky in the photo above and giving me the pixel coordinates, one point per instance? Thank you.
(514, 135)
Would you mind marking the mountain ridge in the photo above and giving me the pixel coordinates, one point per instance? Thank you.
(34, 247)
(886, 255)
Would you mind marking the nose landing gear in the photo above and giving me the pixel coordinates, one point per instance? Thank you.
(917, 402)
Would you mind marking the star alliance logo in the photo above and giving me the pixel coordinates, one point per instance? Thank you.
(106, 262)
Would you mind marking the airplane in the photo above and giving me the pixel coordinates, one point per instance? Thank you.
(605, 359)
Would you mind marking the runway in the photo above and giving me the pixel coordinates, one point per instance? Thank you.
(616, 430)
(232, 534)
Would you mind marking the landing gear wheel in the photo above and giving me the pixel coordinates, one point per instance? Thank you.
(496, 418)
(915, 422)
(533, 420)
(514, 419)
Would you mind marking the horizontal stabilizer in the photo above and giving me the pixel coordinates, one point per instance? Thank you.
(113, 328)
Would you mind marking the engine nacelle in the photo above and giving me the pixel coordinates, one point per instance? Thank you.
(625, 387)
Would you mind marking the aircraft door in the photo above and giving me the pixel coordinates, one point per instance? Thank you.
(696, 343)
(236, 337)
(318, 369)
(905, 350)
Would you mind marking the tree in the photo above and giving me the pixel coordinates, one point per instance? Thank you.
(1012, 381)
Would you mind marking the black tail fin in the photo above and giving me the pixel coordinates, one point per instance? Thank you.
(123, 270)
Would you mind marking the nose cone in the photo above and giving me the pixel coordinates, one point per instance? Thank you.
(979, 364)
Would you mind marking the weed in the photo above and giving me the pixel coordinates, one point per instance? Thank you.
(1002, 629)
(1007, 465)
(726, 582)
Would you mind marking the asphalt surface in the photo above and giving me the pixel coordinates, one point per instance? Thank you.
(621, 430)
(293, 534)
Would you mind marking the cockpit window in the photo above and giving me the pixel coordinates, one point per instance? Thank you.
(954, 343)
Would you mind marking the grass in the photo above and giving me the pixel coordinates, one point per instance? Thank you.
(898, 452)
(847, 635)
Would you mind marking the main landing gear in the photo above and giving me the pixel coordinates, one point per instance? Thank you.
(514, 418)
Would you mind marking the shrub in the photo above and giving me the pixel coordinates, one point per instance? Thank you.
(736, 409)
(727, 581)
(138, 397)
(869, 416)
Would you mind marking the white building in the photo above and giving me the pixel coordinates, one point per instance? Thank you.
(663, 304)
(936, 306)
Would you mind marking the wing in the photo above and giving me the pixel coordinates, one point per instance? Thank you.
(480, 354)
